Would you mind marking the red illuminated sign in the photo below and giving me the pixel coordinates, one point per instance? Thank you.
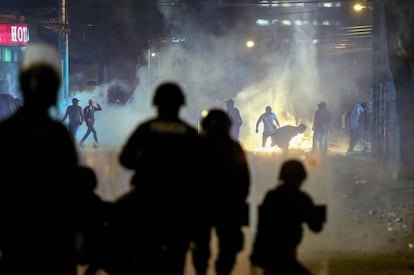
(14, 34)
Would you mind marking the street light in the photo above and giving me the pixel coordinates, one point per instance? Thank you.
(359, 7)
(249, 43)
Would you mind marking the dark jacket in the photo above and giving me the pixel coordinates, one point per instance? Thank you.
(281, 217)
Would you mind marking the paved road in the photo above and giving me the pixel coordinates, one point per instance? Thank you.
(369, 227)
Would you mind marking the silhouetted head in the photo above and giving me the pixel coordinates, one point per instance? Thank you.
(364, 105)
(230, 103)
(301, 128)
(292, 171)
(75, 100)
(39, 75)
(268, 109)
(322, 105)
(168, 94)
(216, 122)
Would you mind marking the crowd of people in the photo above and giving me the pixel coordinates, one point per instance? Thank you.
(53, 220)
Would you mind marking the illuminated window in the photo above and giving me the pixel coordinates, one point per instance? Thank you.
(286, 22)
(5, 54)
(262, 22)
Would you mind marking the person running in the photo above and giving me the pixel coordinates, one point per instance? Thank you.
(75, 114)
(270, 124)
(89, 117)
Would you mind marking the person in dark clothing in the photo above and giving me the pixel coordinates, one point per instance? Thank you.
(282, 214)
(321, 128)
(89, 117)
(39, 195)
(283, 135)
(236, 120)
(165, 154)
(228, 181)
(95, 249)
(75, 114)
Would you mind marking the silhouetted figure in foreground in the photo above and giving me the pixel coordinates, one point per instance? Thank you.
(282, 214)
(165, 153)
(89, 117)
(228, 182)
(98, 214)
(283, 135)
(38, 191)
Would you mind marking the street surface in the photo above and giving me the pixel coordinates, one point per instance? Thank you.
(369, 220)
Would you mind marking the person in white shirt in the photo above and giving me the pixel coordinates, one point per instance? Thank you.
(270, 124)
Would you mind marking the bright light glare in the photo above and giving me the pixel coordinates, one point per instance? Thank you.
(358, 7)
(250, 44)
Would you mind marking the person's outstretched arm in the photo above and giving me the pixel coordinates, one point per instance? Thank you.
(258, 122)
(65, 116)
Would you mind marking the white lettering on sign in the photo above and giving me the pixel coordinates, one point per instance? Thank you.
(19, 34)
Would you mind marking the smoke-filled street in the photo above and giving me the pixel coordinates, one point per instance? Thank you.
(369, 224)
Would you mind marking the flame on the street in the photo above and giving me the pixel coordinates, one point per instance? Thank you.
(297, 143)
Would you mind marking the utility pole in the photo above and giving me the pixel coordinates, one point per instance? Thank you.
(64, 48)
(385, 128)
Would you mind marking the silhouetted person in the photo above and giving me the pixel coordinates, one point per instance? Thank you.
(282, 214)
(356, 124)
(75, 114)
(38, 191)
(89, 117)
(98, 214)
(270, 124)
(236, 120)
(165, 153)
(283, 135)
(228, 181)
(321, 127)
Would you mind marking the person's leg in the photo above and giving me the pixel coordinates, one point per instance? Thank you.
(95, 137)
(231, 240)
(73, 127)
(266, 135)
(201, 250)
(323, 141)
(352, 140)
(85, 136)
(315, 140)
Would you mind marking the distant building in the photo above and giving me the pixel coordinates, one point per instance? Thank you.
(14, 36)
